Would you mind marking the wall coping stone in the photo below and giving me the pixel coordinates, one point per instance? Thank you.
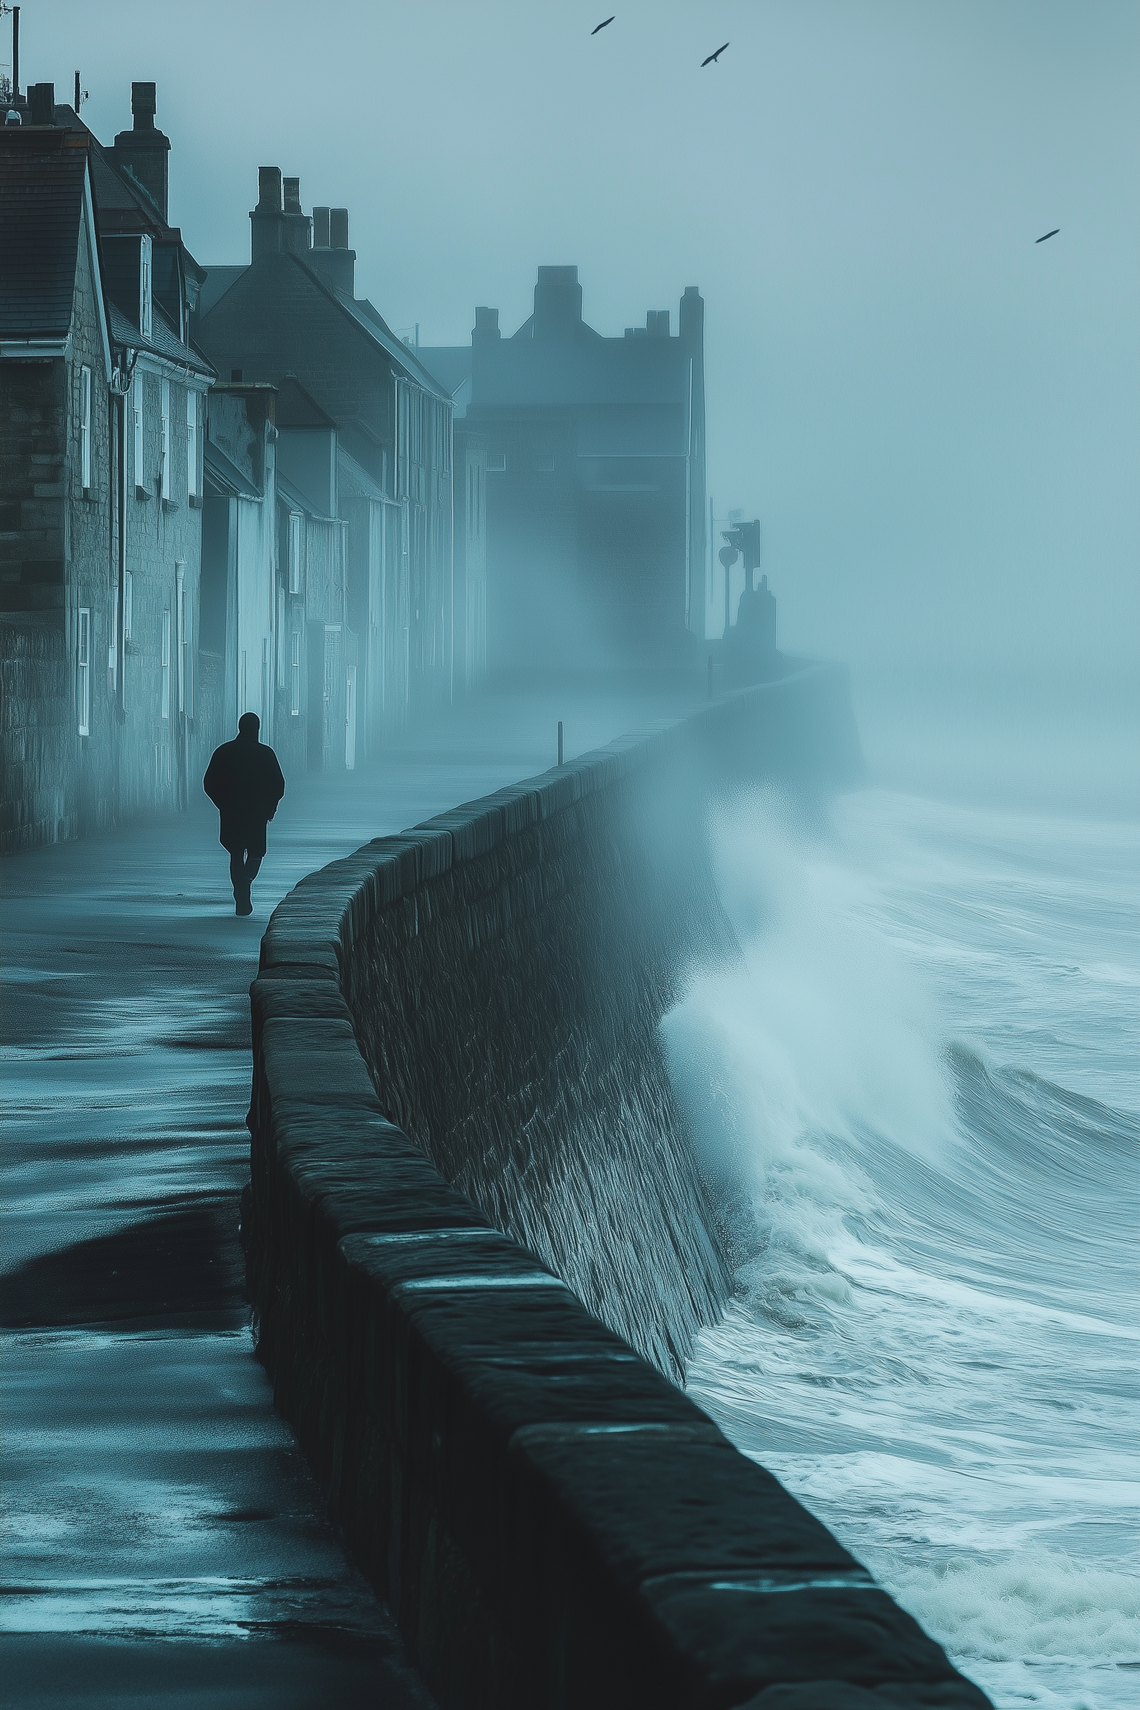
(554, 1523)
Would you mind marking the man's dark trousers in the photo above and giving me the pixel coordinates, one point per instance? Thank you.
(246, 845)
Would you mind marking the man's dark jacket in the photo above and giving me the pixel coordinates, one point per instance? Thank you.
(245, 784)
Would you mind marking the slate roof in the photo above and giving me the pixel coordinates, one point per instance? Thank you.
(216, 283)
(354, 481)
(450, 363)
(223, 476)
(297, 501)
(297, 408)
(41, 215)
(373, 323)
(162, 341)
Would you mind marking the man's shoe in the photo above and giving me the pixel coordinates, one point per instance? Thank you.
(244, 906)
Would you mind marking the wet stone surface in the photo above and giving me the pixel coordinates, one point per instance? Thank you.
(164, 1541)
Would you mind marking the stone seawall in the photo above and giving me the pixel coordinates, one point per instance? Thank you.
(473, 1212)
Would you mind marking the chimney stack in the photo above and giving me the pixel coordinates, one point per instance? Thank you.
(143, 150)
(486, 329)
(41, 104)
(295, 226)
(265, 219)
(268, 190)
(691, 320)
(557, 303)
(330, 257)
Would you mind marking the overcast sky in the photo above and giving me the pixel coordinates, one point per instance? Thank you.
(936, 417)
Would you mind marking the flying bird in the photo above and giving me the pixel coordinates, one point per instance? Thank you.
(713, 57)
(603, 23)
(1053, 233)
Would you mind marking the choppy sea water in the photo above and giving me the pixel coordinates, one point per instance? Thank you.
(924, 1076)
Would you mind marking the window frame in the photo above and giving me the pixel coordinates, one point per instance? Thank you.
(164, 691)
(294, 552)
(83, 669)
(192, 444)
(165, 439)
(295, 674)
(85, 428)
(138, 404)
(146, 287)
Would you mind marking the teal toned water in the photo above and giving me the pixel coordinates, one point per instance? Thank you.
(926, 1072)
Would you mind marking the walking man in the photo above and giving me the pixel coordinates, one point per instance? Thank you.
(244, 782)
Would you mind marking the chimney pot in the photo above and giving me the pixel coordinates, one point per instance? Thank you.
(269, 189)
(41, 104)
(338, 228)
(320, 228)
(486, 325)
(292, 189)
(144, 104)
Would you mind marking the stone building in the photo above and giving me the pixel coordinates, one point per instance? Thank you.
(239, 559)
(595, 459)
(102, 407)
(101, 480)
(292, 312)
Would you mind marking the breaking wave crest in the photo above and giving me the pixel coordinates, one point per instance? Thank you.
(933, 1341)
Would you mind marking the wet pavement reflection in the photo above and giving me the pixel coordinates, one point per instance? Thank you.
(164, 1541)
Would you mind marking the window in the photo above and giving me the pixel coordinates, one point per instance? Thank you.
(128, 604)
(85, 427)
(144, 287)
(137, 413)
(294, 552)
(280, 636)
(191, 443)
(295, 673)
(496, 462)
(165, 708)
(544, 462)
(166, 439)
(181, 610)
(83, 670)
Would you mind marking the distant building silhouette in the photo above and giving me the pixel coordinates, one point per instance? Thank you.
(595, 451)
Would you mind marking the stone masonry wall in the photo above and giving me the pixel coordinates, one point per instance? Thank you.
(553, 1522)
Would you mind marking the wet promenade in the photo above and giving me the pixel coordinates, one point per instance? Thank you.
(163, 1540)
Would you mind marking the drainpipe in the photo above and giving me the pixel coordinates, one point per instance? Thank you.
(183, 729)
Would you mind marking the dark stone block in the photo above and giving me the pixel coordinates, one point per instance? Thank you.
(398, 867)
(843, 1695)
(737, 1638)
(285, 998)
(657, 1507)
(474, 829)
(435, 854)
(519, 807)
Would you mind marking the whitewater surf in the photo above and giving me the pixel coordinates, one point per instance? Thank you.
(920, 1081)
